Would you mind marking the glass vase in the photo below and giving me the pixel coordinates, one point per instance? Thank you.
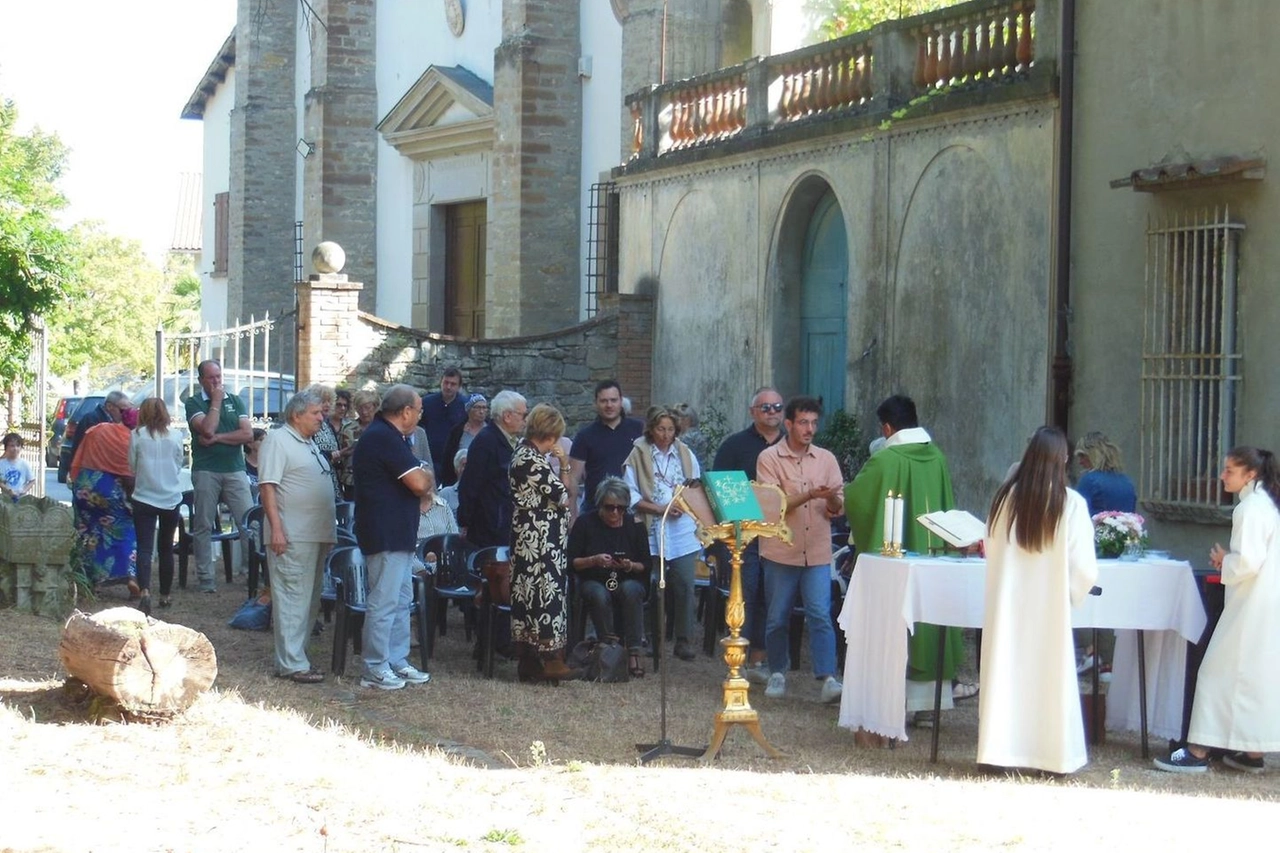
(1132, 552)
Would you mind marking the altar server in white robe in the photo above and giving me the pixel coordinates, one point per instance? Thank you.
(1040, 564)
(1237, 701)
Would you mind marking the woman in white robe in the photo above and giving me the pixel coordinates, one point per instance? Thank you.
(1040, 564)
(1237, 701)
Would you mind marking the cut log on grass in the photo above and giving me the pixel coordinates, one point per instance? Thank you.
(149, 668)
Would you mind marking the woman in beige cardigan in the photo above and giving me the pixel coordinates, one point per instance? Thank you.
(658, 464)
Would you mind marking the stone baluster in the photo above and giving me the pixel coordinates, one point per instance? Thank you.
(866, 82)
(806, 92)
(1024, 39)
(971, 50)
(637, 129)
(931, 63)
(944, 58)
(784, 99)
(1010, 58)
(982, 57)
(922, 60)
(824, 71)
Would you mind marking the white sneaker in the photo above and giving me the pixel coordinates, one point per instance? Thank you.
(383, 680)
(831, 690)
(411, 674)
(756, 673)
(777, 686)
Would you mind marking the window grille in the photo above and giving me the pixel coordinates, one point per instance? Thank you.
(297, 251)
(1190, 364)
(602, 244)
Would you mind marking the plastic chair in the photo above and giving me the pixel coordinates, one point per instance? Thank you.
(347, 567)
(480, 559)
(253, 531)
(185, 546)
(452, 580)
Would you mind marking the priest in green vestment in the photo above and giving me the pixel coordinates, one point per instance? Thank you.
(909, 464)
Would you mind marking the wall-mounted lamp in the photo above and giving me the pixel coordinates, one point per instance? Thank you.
(305, 148)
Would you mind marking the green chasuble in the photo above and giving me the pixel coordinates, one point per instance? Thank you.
(919, 472)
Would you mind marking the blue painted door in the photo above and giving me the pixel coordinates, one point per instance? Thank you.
(823, 304)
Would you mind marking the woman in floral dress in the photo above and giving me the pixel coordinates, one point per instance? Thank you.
(105, 550)
(539, 532)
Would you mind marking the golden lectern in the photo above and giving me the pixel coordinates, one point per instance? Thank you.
(736, 535)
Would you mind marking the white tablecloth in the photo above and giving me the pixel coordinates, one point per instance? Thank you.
(887, 596)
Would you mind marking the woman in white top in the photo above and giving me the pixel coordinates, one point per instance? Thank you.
(1237, 701)
(1040, 564)
(657, 466)
(155, 457)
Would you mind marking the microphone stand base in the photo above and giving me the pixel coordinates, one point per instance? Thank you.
(665, 747)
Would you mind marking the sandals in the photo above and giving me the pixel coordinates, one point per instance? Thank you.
(310, 676)
(635, 669)
(964, 690)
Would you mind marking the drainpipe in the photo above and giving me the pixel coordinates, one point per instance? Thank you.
(1060, 402)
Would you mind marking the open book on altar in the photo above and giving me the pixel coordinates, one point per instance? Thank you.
(956, 526)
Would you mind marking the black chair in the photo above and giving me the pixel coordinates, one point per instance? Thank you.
(347, 567)
(452, 580)
(480, 559)
(254, 539)
(344, 512)
(185, 546)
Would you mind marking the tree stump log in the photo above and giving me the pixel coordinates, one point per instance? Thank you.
(148, 667)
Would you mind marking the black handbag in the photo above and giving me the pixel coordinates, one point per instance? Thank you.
(600, 660)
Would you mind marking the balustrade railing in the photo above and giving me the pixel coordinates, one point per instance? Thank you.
(977, 44)
(980, 44)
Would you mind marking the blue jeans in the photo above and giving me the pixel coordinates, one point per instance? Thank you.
(753, 616)
(814, 584)
(387, 605)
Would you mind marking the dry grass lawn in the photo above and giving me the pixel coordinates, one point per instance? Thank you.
(264, 764)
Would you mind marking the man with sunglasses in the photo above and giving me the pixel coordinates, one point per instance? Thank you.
(739, 452)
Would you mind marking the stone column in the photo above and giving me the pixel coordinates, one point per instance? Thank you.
(535, 207)
(263, 164)
(341, 112)
(328, 311)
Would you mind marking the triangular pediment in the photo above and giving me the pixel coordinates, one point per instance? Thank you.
(446, 111)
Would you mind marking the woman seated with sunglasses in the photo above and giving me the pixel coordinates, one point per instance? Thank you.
(609, 550)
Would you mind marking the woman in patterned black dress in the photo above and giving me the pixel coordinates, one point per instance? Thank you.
(539, 531)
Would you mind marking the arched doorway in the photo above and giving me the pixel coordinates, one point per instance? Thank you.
(824, 280)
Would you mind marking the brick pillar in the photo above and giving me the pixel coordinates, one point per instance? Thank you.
(328, 308)
(341, 112)
(635, 346)
(535, 207)
(263, 164)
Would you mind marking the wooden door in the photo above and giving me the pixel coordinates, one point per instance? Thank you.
(464, 269)
(823, 303)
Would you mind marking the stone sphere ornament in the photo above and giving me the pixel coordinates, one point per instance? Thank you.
(328, 257)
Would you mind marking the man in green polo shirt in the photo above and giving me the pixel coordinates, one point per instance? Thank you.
(217, 462)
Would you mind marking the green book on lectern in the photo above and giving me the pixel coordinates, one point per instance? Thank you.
(731, 496)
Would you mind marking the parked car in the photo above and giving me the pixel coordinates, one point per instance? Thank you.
(68, 446)
(263, 393)
(61, 412)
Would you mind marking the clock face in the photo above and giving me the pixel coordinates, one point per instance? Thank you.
(455, 15)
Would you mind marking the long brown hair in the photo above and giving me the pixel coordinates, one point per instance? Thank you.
(1038, 490)
(1263, 464)
(154, 415)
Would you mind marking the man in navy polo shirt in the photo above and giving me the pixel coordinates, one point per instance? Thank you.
(442, 411)
(389, 482)
(601, 447)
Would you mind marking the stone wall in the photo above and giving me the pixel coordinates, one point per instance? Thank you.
(339, 187)
(263, 163)
(534, 208)
(342, 346)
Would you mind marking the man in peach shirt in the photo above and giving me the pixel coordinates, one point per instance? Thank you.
(810, 477)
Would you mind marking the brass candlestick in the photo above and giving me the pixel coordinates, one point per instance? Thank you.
(736, 535)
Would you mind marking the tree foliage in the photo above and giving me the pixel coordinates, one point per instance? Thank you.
(37, 256)
(842, 17)
(103, 332)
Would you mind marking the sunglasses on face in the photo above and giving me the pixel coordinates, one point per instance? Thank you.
(613, 508)
(770, 407)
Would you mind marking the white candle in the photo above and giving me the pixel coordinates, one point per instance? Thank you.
(897, 521)
(888, 517)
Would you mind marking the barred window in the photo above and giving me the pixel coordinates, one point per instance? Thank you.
(1190, 364)
(602, 244)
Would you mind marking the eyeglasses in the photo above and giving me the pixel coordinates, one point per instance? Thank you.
(770, 407)
(613, 508)
(324, 466)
